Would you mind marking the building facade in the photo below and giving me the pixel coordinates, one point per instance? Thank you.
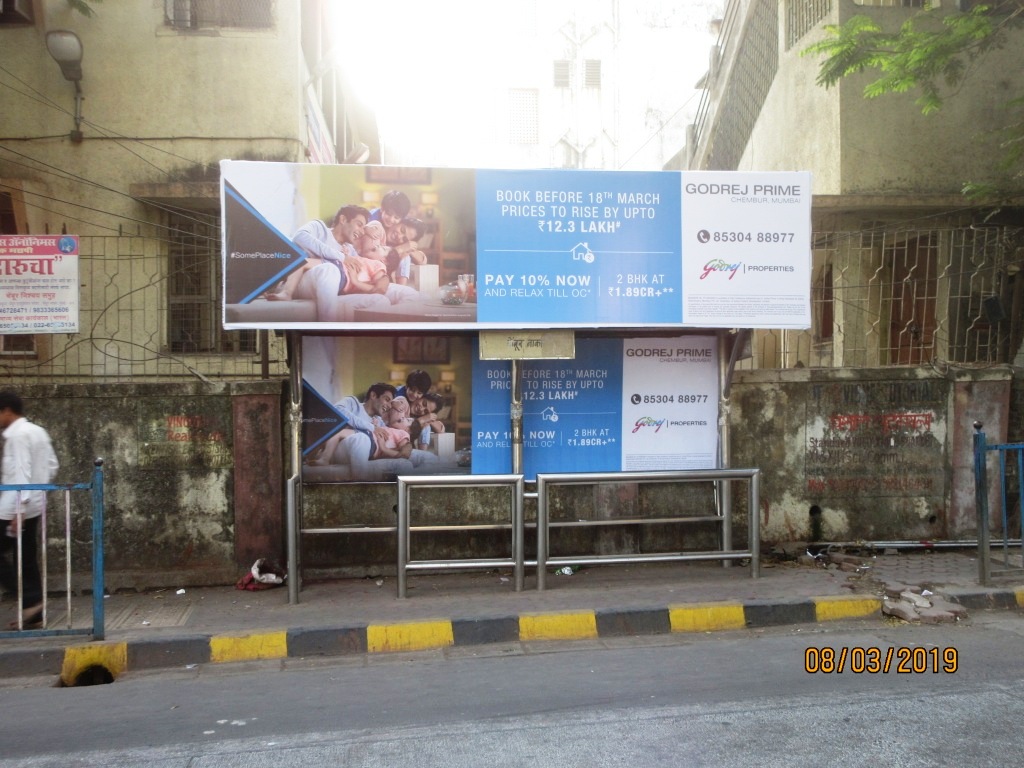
(123, 151)
(918, 292)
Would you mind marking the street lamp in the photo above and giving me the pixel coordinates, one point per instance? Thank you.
(66, 50)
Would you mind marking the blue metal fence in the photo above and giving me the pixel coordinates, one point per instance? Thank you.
(95, 487)
(1011, 479)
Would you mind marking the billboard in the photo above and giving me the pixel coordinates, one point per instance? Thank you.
(39, 284)
(351, 247)
(377, 407)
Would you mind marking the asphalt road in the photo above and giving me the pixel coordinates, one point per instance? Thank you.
(724, 699)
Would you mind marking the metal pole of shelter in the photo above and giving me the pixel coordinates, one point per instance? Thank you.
(981, 504)
(98, 630)
(294, 485)
(517, 417)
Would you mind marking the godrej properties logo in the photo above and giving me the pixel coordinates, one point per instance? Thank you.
(648, 421)
(717, 265)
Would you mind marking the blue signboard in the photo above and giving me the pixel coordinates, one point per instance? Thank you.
(572, 412)
(578, 247)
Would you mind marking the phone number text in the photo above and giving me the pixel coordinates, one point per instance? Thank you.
(751, 237)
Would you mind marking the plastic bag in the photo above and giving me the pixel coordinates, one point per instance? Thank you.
(264, 574)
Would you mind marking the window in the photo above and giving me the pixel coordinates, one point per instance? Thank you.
(15, 344)
(523, 118)
(16, 13)
(8, 222)
(20, 345)
(592, 73)
(193, 285)
(196, 14)
(562, 76)
(570, 155)
(802, 16)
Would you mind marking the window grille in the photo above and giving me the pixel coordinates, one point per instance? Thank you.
(757, 61)
(562, 78)
(592, 73)
(194, 319)
(196, 14)
(802, 16)
(523, 116)
(908, 297)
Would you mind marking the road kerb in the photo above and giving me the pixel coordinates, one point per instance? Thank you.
(267, 645)
(578, 625)
(845, 607)
(706, 617)
(410, 636)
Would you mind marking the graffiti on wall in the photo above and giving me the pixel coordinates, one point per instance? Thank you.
(875, 439)
(181, 440)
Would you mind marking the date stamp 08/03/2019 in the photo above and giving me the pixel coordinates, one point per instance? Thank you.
(871, 660)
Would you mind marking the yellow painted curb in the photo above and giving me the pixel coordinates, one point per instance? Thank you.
(706, 617)
(846, 607)
(111, 656)
(558, 626)
(270, 645)
(1019, 592)
(414, 636)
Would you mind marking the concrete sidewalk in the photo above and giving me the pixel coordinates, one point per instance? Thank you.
(174, 628)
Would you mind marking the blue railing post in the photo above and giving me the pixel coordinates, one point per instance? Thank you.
(981, 503)
(98, 631)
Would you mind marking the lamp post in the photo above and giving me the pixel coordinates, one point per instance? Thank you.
(66, 50)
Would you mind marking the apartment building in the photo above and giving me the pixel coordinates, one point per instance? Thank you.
(112, 129)
(918, 291)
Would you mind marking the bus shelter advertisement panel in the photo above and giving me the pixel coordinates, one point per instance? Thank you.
(747, 249)
(579, 246)
(350, 247)
(621, 405)
(378, 407)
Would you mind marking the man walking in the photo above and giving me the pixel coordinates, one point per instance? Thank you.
(28, 458)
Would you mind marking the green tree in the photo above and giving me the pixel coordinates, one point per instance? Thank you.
(931, 54)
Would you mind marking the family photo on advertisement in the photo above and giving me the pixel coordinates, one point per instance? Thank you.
(374, 251)
(406, 421)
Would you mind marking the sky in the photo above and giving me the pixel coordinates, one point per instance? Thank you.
(429, 74)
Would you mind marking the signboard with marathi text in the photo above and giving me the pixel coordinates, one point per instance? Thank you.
(39, 284)
(352, 247)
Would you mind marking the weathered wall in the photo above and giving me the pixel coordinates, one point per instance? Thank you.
(192, 478)
(872, 454)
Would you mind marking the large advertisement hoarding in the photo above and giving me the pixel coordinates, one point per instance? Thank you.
(342, 247)
(377, 407)
(39, 284)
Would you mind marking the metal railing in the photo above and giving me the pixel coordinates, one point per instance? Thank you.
(1011, 466)
(544, 524)
(95, 486)
(516, 560)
